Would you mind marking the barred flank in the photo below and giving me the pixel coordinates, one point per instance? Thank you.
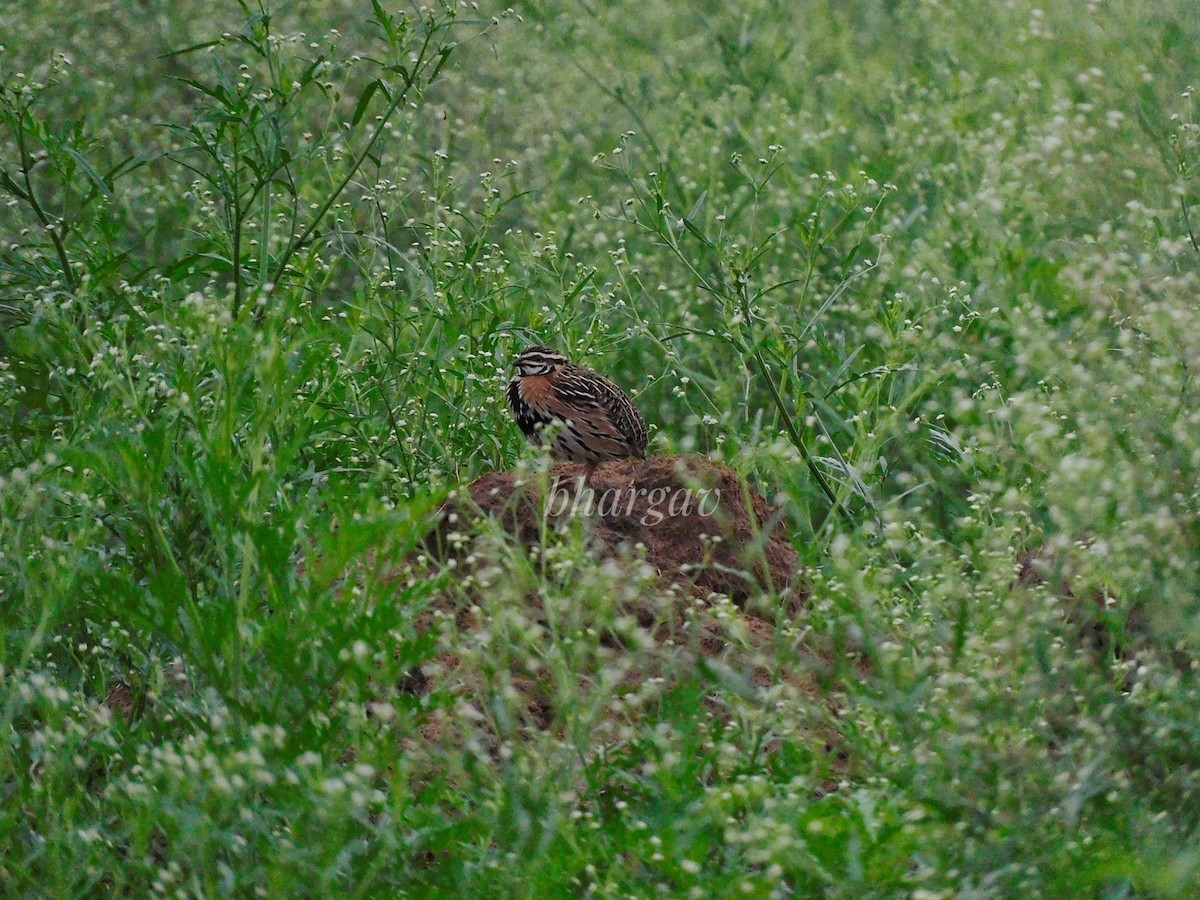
(600, 422)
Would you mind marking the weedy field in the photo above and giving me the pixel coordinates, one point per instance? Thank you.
(925, 273)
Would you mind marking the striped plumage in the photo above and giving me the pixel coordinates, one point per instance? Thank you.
(599, 422)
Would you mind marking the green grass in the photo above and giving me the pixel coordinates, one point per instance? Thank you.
(927, 275)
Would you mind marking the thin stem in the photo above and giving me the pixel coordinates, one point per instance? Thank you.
(36, 206)
(797, 439)
(237, 224)
(1187, 221)
(410, 79)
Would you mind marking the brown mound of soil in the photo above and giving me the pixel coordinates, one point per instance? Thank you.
(506, 649)
(697, 523)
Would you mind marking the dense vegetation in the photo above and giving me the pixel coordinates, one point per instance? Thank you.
(926, 273)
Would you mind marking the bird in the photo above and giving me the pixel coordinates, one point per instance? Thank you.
(599, 421)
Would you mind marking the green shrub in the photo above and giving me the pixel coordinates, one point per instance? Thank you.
(925, 274)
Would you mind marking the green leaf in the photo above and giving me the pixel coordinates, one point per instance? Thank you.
(697, 233)
(95, 177)
(579, 286)
(11, 186)
(193, 48)
(217, 93)
(308, 73)
(363, 101)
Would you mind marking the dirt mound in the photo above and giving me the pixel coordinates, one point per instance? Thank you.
(700, 525)
(727, 580)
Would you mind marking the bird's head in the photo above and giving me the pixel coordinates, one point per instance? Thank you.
(538, 361)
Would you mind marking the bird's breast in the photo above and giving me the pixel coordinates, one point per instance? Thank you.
(535, 390)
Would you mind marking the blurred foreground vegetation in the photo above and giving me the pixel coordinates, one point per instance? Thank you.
(925, 273)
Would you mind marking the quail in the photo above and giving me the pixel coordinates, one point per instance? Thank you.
(598, 420)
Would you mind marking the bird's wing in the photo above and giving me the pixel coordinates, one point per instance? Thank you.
(614, 415)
